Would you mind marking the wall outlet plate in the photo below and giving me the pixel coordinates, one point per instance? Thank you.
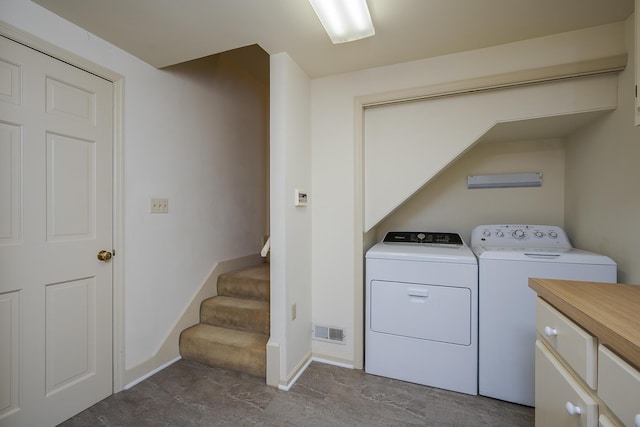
(159, 205)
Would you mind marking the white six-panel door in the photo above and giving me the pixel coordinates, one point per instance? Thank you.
(55, 216)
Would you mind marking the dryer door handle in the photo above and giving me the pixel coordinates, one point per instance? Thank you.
(420, 293)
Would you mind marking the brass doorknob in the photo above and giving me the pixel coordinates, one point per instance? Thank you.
(104, 256)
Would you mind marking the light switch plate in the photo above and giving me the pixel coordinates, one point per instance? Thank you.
(301, 198)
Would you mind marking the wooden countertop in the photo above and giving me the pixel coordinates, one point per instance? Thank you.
(609, 311)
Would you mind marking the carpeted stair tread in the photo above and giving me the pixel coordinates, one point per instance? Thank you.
(234, 326)
(252, 283)
(236, 313)
(226, 348)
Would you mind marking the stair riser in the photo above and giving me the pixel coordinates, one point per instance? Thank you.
(249, 360)
(236, 318)
(231, 286)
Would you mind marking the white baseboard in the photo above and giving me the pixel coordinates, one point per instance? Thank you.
(284, 387)
(149, 374)
(287, 387)
(331, 362)
(298, 372)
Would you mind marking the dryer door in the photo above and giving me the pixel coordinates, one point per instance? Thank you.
(429, 312)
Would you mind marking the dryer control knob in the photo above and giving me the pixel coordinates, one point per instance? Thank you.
(538, 234)
(553, 234)
(486, 233)
(518, 234)
(500, 234)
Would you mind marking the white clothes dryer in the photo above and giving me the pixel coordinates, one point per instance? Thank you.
(508, 255)
(421, 310)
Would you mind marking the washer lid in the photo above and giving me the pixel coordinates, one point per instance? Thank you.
(460, 254)
(566, 256)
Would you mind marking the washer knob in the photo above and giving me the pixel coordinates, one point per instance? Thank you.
(421, 236)
(499, 233)
(553, 234)
(518, 234)
(538, 234)
(486, 233)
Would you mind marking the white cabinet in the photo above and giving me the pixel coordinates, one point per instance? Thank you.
(605, 421)
(560, 399)
(619, 387)
(637, 61)
(577, 385)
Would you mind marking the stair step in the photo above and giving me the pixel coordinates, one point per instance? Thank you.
(226, 348)
(252, 283)
(236, 313)
(234, 326)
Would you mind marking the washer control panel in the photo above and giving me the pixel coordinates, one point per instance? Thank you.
(423, 237)
(519, 235)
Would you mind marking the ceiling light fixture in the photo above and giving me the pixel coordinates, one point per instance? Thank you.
(344, 20)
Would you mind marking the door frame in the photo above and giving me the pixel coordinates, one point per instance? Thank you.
(117, 79)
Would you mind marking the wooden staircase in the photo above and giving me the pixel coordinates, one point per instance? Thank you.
(234, 326)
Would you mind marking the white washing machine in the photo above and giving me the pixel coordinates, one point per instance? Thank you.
(421, 310)
(508, 255)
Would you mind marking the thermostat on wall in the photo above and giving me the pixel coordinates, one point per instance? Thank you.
(301, 198)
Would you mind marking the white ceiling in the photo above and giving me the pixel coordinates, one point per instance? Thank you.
(167, 32)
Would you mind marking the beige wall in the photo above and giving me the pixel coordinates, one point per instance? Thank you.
(603, 181)
(446, 204)
(186, 138)
(338, 217)
(290, 159)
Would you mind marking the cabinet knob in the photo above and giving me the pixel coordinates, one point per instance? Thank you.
(550, 332)
(572, 409)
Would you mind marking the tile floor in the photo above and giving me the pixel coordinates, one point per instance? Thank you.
(190, 394)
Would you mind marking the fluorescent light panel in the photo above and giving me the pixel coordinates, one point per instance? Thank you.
(532, 179)
(344, 20)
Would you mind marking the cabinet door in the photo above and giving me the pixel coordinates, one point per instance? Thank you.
(620, 387)
(560, 400)
(605, 421)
